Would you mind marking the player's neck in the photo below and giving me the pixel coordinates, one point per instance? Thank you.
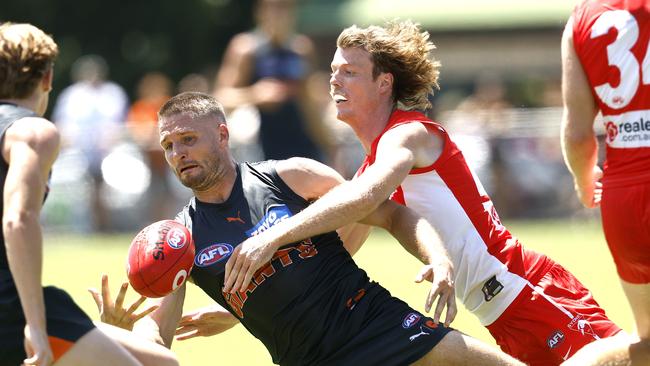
(32, 103)
(372, 125)
(221, 190)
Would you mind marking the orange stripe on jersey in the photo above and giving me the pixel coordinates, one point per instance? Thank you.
(59, 346)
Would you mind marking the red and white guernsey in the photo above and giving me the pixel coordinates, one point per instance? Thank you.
(450, 196)
(611, 40)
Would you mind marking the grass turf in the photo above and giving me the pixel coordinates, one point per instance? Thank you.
(75, 263)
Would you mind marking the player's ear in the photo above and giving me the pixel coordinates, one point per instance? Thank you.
(46, 81)
(224, 134)
(386, 82)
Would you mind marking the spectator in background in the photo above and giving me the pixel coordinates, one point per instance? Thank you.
(486, 104)
(194, 82)
(90, 114)
(154, 89)
(268, 68)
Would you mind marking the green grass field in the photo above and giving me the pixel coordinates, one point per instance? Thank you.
(75, 263)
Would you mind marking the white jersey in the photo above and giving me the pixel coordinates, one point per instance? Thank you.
(491, 266)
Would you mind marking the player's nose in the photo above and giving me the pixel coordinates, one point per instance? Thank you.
(334, 81)
(178, 153)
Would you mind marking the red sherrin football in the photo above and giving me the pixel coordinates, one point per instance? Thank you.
(160, 258)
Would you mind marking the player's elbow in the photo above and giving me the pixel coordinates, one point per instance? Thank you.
(18, 221)
(574, 136)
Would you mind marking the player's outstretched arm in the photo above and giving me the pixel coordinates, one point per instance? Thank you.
(205, 322)
(336, 206)
(310, 180)
(420, 239)
(337, 203)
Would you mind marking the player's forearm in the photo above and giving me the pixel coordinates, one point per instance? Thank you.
(161, 324)
(24, 245)
(580, 150)
(353, 236)
(418, 237)
(346, 203)
(148, 328)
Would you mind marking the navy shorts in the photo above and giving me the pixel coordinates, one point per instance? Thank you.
(66, 322)
(381, 330)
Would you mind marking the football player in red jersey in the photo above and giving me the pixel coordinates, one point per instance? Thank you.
(606, 69)
(381, 79)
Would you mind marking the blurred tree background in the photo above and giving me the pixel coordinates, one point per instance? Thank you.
(500, 76)
(134, 37)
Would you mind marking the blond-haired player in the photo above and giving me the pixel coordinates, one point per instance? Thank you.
(381, 79)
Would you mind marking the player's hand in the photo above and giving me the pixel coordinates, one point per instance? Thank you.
(37, 347)
(204, 322)
(442, 287)
(247, 258)
(591, 192)
(113, 312)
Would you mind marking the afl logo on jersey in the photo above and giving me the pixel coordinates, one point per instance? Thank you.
(213, 254)
(555, 339)
(176, 238)
(410, 320)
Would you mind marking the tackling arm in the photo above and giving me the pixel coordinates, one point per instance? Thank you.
(420, 239)
(348, 202)
(399, 150)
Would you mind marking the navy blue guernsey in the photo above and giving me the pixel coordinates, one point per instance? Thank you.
(9, 113)
(288, 304)
(311, 304)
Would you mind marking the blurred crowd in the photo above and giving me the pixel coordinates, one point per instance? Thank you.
(111, 174)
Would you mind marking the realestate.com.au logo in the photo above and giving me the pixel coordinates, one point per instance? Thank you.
(635, 132)
(612, 131)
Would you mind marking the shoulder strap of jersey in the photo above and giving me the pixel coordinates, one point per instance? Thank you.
(10, 113)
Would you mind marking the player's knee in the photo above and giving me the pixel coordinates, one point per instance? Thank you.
(640, 352)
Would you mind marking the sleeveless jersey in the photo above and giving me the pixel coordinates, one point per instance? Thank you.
(9, 113)
(283, 130)
(611, 40)
(491, 266)
(294, 304)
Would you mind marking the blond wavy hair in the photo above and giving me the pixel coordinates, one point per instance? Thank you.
(26, 55)
(402, 49)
